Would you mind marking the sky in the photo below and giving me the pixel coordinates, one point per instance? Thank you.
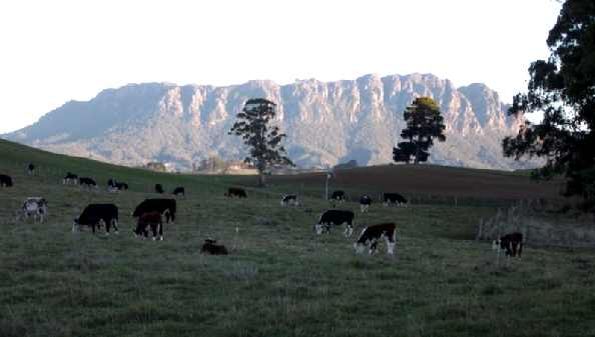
(55, 51)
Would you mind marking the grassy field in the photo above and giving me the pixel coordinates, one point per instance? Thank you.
(280, 279)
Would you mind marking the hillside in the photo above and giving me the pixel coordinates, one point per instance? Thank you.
(326, 122)
(280, 279)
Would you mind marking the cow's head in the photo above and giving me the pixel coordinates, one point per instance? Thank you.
(359, 247)
(319, 228)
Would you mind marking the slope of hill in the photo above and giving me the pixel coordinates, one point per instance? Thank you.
(326, 123)
(280, 279)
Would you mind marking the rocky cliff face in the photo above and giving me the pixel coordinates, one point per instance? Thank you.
(326, 123)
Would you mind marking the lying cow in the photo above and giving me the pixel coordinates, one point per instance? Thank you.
(166, 207)
(159, 188)
(70, 178)
(372, 234)
(115, 186)
(290, 200)
(211, 247)
(335, 217)
(97, 215)
(394, 198)
(364, 203)
(179, 191)
(338, 196)
(511, 244)
(153, 220)
(35, 207)
(87, 182)
(5, 181)
(236, 192)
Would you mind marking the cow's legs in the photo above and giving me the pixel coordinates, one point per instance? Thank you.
(115, 224)
(160, 231)
(390, 243)
(373, 245)
(348, 229)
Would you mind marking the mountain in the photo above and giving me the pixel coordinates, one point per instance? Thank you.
(326, 122)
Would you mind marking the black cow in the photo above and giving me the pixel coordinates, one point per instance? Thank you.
(511, 243)
(210, 246)
(372, 234)
(70, 178)
(96, 215)
(166, 207)
(30, 169)
(394, 198)
(159, 188)
(364, 203)
(290, 200)
(153, 220)
(5, 181)
(179, 191)
(88, 182)
(236, 192)
(335, 217)
(338, 195)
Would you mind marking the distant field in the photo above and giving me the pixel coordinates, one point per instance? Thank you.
(281, 279)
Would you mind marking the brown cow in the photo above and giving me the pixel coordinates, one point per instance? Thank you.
(152, 219)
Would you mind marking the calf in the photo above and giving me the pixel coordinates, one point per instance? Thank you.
(70, 178)
(335, 217)
(5, 181)
(95, 215)
(236, 192)
(166, 207)
(210, 246)
(372, 234)
(35, 207)
(364, 203)
(338, 196)
(153, 220)
(87, 182)
(290, 200)
(158, 188)
(511, 243)
(179, 191)
(394, 198)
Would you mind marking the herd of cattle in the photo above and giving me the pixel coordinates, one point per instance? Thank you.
(152, 213)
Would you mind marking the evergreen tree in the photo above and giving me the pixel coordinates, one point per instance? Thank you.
(263, 139)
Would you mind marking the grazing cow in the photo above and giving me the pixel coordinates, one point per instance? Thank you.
(511, 243)
(166, 207)
(114, 186)
(236, 192)
(179, 191)
(337, 218)
(394, 198)
(70, 178)
(30, 169)
(338, 196)
(35, 207)
(372, 234)
(150, 219)
(159, 188)
(290, 200)
(364, 203)
(211, 247)
(96, 215)
(5, 181)
(87, 182)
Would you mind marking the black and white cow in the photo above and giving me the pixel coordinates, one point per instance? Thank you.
(211, 247)
(5, 181)
(364, 203)
(97, 215)
(394, 198)
(179, 191)
(35, 207)
(70, 178)
(87, 182)
(150, 219)
(30, 169)
(115, 186)
(159, 188)
(166, 207)
(372, 234)
(236, 192)
(290, 200)
(335, 217)
(511, 244)
(338, 196)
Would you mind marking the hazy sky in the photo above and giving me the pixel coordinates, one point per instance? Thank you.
(55, 51)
